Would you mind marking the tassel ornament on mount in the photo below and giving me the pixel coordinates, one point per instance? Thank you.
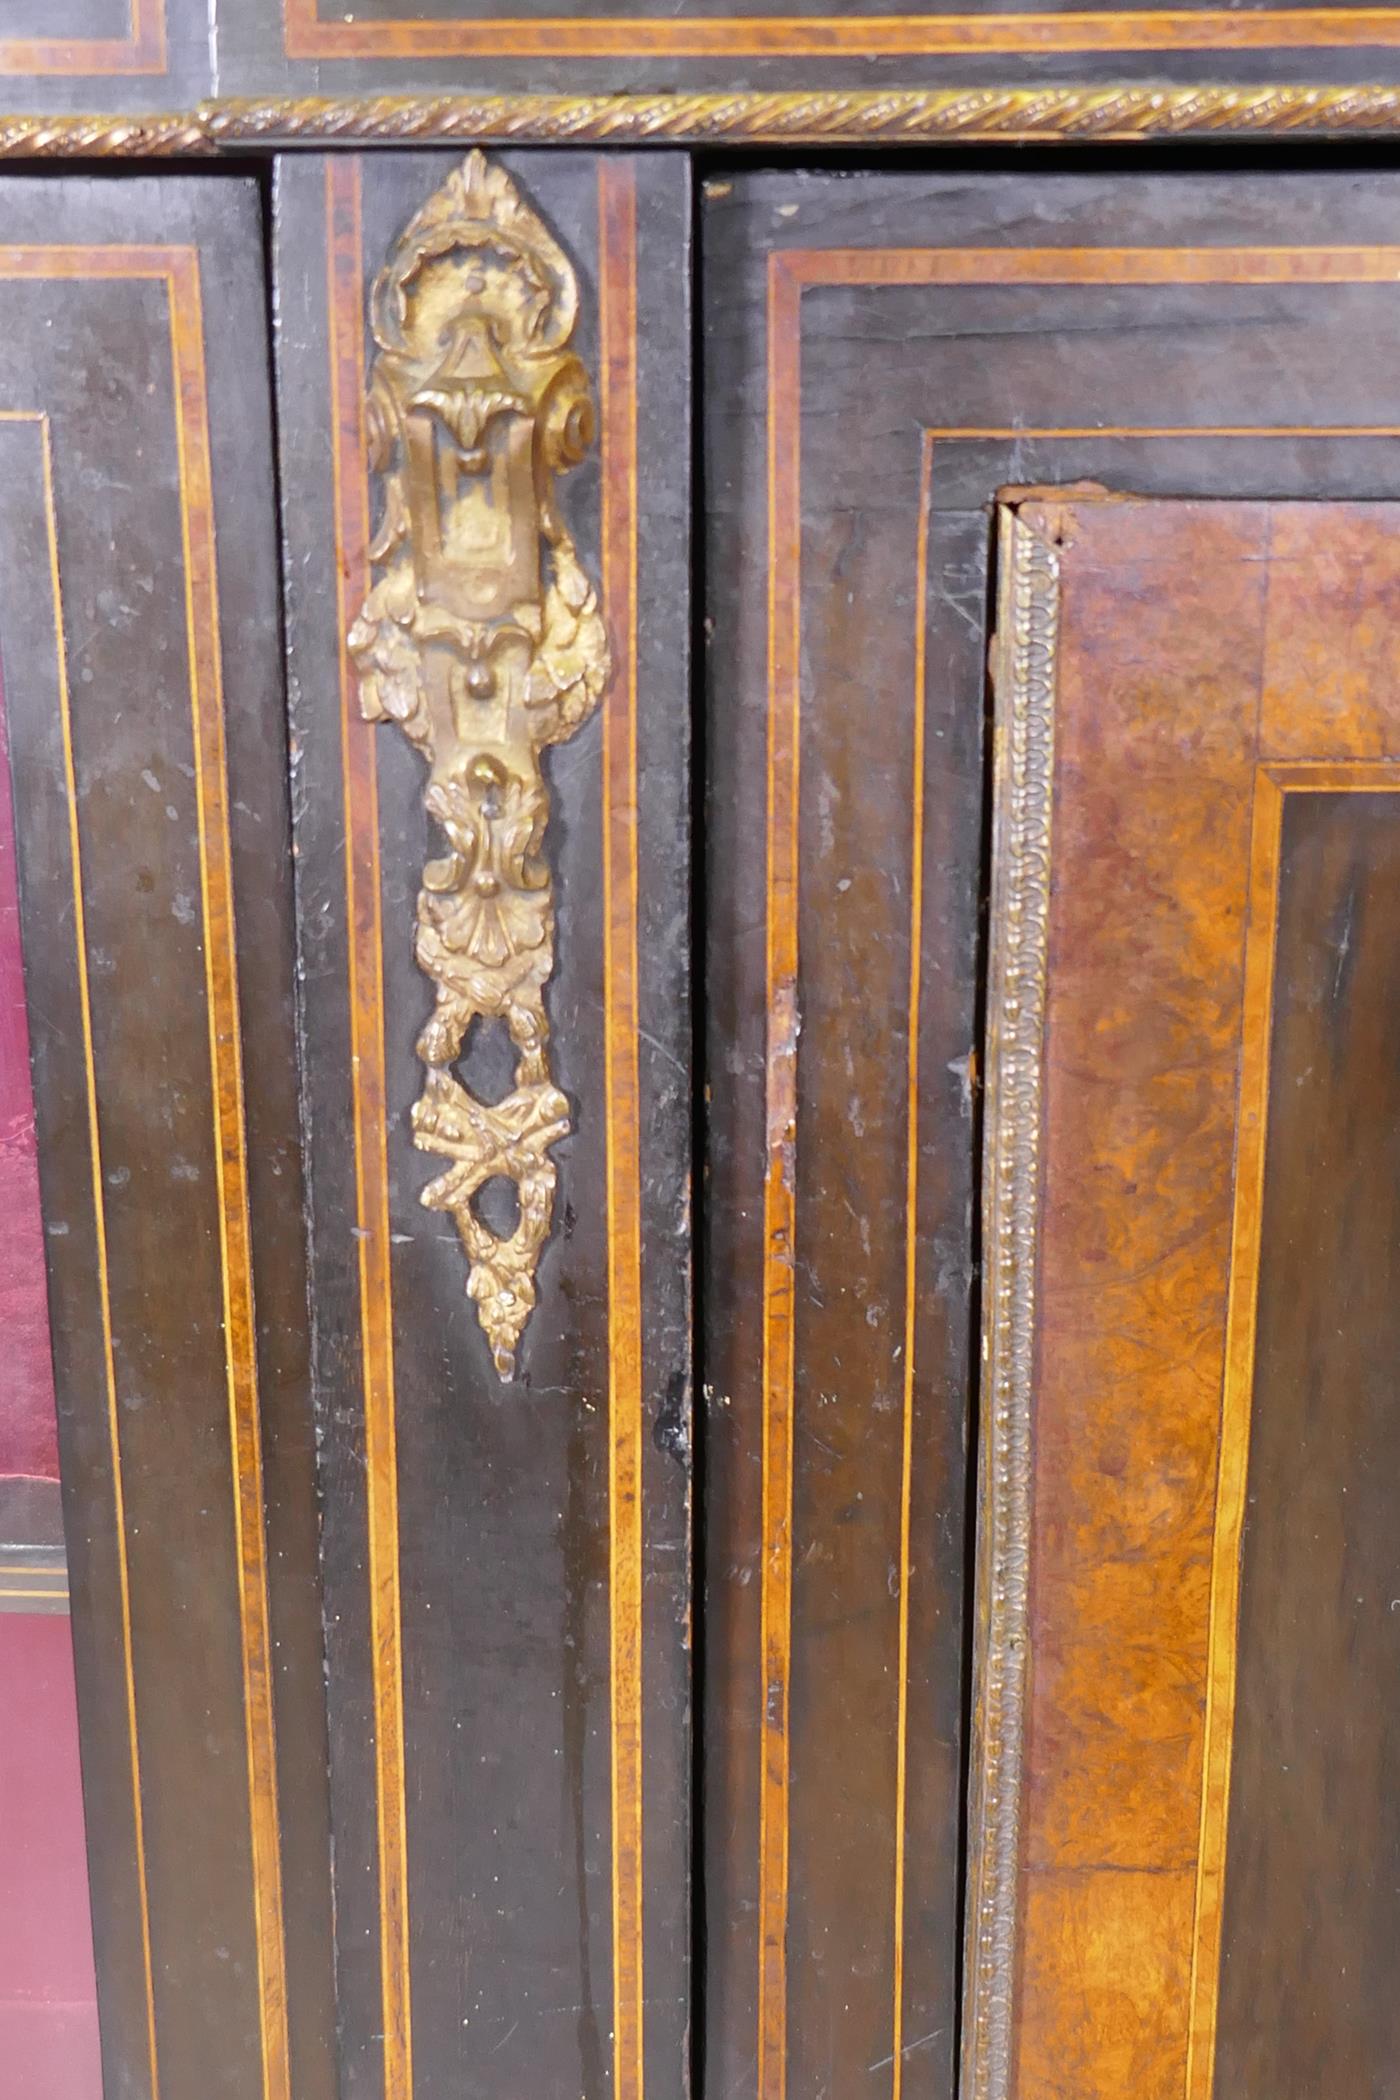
(482, 639)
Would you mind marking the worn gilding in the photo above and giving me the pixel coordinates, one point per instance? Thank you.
(837, 116)
(483, 640)
(1024, 677)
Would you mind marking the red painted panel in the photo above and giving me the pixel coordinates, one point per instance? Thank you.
(28, 1435)
(48, 1986)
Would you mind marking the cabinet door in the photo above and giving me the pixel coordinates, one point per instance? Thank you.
(487, 635)
(883, 352)
(1186, 1844)
(155, 1160)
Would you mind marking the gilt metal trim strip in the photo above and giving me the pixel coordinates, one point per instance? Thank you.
(832, 117)
(176, 135)
(1024, 681)
(482, 639)
(1113, 114)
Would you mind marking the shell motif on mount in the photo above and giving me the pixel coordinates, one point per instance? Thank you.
(482, 639)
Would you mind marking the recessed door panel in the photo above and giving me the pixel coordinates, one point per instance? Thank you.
(1184, 1835)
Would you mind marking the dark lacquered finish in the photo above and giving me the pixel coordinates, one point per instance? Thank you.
(504, 1547)
(136, 837)
(583, 46)
(1311, 1874)
(117, 55)
(1026, 372)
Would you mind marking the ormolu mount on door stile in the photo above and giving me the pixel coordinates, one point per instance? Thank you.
(482, 639)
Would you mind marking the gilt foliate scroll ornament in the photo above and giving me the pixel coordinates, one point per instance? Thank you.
(481, 638)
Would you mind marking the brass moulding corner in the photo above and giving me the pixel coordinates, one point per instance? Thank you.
(482, 639)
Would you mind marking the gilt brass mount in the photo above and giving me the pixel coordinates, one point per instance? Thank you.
(481, 638)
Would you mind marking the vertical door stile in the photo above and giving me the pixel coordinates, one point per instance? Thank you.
(487, 552)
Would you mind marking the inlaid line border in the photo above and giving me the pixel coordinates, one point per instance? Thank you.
(40, 420)
(345, 291)
(141, 51)
(617, 225)
(617, 330)
(790, 273)
(307, 34)
(178, 269)
(1274, 781)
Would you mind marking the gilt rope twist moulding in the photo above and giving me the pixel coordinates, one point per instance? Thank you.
(832, 116)
(890, 116)
(482, 639)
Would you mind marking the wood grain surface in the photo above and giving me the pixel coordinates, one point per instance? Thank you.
(506, 1564)
(882, 353)
(1181, 967)
(144, 708)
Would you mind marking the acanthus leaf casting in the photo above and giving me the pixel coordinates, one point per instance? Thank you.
(482, 639)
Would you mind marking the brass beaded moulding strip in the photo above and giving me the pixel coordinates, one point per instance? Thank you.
(178, 135)
(836, 117)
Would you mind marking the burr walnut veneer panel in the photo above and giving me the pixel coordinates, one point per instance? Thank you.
(1201, 703)
(882, 352)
